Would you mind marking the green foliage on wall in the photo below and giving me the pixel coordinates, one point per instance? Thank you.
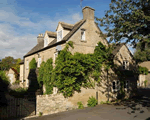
(33, 64)
(72, 72)
(45, 75)
(142, 70)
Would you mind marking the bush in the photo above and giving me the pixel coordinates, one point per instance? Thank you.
(4, 77)
(19, 92)
(80, 105)
(142, 70)
(92, 102)
(145, 83)
(40, 114)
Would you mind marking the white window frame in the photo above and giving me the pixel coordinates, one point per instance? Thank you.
(117, 86)
(58, 38)
(39, 61)
(27, 65)
(126, 83)
(45, 41)
(82, 35)
(55, 55)
(125, 65)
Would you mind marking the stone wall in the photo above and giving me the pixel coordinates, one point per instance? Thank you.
(54, 103)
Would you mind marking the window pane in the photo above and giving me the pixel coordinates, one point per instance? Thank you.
(113, 85)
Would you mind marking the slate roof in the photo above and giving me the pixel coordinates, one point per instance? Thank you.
(40, 46)
(67, 26)
(51, 34)
(22, 62)
(117, 48)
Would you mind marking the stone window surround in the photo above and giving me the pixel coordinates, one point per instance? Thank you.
(117, 85)
(83, 38)
(126, 85)
(125, 65)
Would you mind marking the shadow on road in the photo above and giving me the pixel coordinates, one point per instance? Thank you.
(136, 103)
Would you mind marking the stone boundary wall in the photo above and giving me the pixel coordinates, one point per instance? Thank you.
(54, 103)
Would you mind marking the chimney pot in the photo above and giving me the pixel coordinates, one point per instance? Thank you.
(40, 38)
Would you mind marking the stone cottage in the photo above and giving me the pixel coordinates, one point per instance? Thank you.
(13, 75)
(142, 78)
(85, 36)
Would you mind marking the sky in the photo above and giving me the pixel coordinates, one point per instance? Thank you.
(22, 20)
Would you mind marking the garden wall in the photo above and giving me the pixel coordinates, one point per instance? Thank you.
(54, 103)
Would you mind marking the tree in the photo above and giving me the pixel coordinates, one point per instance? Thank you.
(7, 63)
(141, 54)
(127, 20)
(17, 65)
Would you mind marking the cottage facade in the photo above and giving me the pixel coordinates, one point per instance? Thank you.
(142, 77)
(85, 36)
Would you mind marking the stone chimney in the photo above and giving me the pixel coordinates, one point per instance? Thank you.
(40, 38)
(88, 13)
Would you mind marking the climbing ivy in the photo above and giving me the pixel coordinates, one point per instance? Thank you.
(32, 64)
(73, 71)
(142, 70)
(45, 75)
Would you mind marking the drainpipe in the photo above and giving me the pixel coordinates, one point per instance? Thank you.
(108, 86)
(23, 70)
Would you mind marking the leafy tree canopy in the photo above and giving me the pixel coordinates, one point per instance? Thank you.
(9, 62)
(127, 20)
(17, 65)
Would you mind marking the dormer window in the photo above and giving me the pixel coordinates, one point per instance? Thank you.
(126, 65)
(45, 41)
(59, 35)
(82, 34)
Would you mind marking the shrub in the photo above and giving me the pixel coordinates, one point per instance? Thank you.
(40, 114)
(4, 77)
(145, 83)
(92, 102)
(19, 92)
(142, 70)
(80, 105)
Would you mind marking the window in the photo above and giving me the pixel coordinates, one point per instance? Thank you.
(27, 64)
(83, 35)
(39, 62)
(116, 85)
(126, 84)
(125, 65)
(59, 35)
(45, 41)
(55, 56)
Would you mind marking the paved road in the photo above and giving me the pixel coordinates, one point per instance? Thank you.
(101, 112)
